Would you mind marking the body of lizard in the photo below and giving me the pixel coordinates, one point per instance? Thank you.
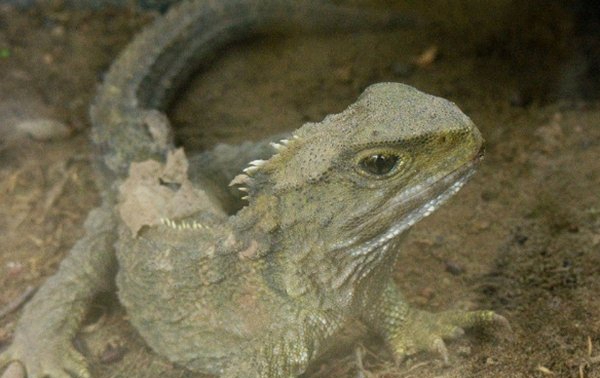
(262, 291)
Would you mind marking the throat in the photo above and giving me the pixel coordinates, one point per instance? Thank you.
(342, 273)
(352, 271)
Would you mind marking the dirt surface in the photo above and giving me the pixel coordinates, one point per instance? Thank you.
(523, 238)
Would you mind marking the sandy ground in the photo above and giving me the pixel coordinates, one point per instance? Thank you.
(523, 238)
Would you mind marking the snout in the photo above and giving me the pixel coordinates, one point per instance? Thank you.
(478, 143)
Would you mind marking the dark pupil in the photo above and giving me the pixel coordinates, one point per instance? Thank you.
(379, 164)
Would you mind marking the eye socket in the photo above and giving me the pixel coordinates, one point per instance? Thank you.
(379, 164)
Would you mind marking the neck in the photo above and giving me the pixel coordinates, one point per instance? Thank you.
(307, 256)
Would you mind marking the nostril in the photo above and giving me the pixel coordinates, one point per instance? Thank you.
(481, 152)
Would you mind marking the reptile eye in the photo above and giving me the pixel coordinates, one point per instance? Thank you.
(379, 164)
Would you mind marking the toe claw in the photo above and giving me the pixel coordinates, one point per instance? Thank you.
(399, 358)
(502, 321)
(427, 331)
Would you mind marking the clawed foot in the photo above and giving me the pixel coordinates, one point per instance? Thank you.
(61, 362)
(426, 331)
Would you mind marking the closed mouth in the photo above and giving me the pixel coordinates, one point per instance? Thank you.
(445, 187)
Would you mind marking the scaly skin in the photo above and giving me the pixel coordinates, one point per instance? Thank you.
(261, 292)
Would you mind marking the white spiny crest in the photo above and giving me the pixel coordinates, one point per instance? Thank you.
(277, 146)
(254, 166)
(241, 179)
(250, 170)
(257, 163)
(245, 180)
(182, 225)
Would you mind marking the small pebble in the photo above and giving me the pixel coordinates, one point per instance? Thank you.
(427, 57)
(454, 268)
(44, 129)
(48, 58)
(482, 225)
(58, 31)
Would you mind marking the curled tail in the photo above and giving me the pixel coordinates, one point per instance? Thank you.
(128, 123)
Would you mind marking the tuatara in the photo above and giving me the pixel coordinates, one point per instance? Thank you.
(263, 290)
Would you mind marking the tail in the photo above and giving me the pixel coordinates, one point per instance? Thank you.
(126, 115)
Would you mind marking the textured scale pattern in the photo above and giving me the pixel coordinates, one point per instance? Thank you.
(257, 283)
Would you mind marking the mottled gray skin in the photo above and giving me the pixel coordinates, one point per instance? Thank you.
(260, 292)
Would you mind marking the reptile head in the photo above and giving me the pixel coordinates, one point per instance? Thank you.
(350, 184)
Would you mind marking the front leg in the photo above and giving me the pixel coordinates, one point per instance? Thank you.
(407, 330)
(42, 341)
(284, 352)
